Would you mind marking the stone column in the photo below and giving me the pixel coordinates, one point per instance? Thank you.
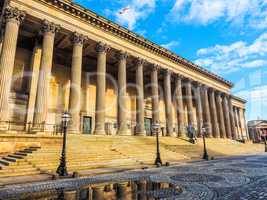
(1, 40)
(100, 89)
(214, 115)
(48, 30)
(245, 124)
(206, 110)
(232, 119)
(76, 77)
(34, 67)
(122, 95)
(180, 107)
(189, 100)
(13, 18)
(199, 109)
(239, 123)
(140, 106)
(168, 103)
(236, 123)
(227, 116)
(155, 94)
(220, 114)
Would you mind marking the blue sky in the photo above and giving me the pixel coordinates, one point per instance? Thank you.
(228, 37)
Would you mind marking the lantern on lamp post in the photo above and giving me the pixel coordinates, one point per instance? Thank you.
(62, 168)
(156, 129)
(205, 153)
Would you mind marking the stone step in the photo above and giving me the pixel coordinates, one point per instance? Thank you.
(16, 170)
(46, 156)
(79, 160)
(19, 163)
(21, 154)
(4, 162)
(100, 154)
(26, 151)
(52, 169)
(16, 156)
(9, 159)
(15, 174)
(25, 166)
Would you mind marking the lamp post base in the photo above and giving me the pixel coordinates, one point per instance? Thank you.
(158, 160)
(206, 156)
(62, 170)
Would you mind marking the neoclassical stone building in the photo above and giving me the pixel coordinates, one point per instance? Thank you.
(57, 56)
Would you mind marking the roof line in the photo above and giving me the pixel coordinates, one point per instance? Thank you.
(124, 33)
(239, 99)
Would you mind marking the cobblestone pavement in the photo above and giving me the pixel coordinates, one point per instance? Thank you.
(243, 178)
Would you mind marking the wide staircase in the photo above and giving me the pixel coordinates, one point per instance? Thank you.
(97, 154)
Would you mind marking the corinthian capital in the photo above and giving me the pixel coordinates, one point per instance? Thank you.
(102, 47)
(140, 61)
(78, 38)
(49, 27)
(167, 72)
(122, 55)
(155, 67)
(14, 14)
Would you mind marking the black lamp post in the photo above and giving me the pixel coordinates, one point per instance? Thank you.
(205, 154)
(156, 128)
(62, 168)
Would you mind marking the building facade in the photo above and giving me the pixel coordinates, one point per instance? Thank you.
(257, 130)
(58, 56)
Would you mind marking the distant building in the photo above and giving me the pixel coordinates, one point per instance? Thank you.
(257, 129)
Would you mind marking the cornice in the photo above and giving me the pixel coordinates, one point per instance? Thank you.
(121, 32)
(238, 99)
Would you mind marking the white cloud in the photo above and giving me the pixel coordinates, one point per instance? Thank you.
(252, 12)
(257, 100)
(138, 9)
(171, 45)
(228, 58)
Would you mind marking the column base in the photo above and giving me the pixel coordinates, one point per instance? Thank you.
(3, 126)
(140, 133)
(36, 130)
(171, 134)
(74, 132)
(124, 133)
(99, 132)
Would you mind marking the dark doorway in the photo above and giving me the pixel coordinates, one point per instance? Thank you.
(87, 125)
(148, 126)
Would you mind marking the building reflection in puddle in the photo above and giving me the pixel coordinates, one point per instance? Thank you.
(132, 190)
(136, 190)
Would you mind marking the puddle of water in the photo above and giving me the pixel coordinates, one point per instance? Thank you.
(133, 190)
